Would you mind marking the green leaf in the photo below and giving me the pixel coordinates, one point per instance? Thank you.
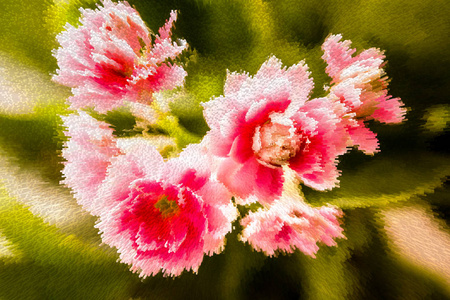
(385, 179)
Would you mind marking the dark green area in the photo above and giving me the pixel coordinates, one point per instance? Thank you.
(35, 140)
(385, 178)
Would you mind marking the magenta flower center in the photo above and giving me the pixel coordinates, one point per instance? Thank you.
(274, 144)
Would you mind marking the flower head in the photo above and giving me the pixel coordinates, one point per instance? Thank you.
(289, 223)
(264, 122)
(111, 58)
(360, 83)
(163, 215)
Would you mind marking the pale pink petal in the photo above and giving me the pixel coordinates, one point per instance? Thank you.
(221, 112)
(143, 153)
(191, 167)
(270, 69)
(234, 82)
(140, 159)
(166, 49)
(373, 53)
(362, 70)
(147, 80)
(324, 138)
(89, 152)
(301, 87)
(259, 111)
(337, 54)
(251, 179)
(218, 144)
(325, 179)
(238, 178)
(88, 95)
(220, 214)
(347, 94)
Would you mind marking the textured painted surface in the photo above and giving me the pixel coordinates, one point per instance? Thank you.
(394, 203)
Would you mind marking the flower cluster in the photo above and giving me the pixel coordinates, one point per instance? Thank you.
(360, 84)
(267, 136)
(113, 57)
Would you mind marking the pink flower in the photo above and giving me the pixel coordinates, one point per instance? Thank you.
(88, 153)
(110, 58)
(291, 224)
(360, 83)
(264, 122)
(163, 215)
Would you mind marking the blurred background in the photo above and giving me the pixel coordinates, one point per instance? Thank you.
(396, 203)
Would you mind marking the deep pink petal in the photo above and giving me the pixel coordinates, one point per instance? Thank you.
(241, 150)
(264, 122)
(269, 182)
(140, 160)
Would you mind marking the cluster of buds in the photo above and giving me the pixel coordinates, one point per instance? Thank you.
(266, 138)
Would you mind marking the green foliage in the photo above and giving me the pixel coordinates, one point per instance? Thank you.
(35, 139)
(437, 119)
(121, 120)
(173, 128)
(330, 275)
(54, 265)
(23, 34)
(363, 267)
(59, 13)
(385, 178)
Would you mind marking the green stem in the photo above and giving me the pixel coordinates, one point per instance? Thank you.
(174, 129)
